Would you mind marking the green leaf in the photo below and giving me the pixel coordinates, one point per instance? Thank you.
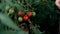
(8, 22)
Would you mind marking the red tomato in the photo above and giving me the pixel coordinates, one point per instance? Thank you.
(26, 30)
(29, 14)
(20, 14)
(25, 18)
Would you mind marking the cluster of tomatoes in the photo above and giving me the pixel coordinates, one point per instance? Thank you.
(25, 16)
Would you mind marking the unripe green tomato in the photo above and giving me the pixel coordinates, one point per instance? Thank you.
(18, 2)
(20, 19)
(11, 11)
(34, 13)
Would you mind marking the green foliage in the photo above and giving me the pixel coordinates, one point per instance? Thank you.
(8, 22)
(46, 14)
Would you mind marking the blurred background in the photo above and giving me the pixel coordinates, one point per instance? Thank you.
(29, 17)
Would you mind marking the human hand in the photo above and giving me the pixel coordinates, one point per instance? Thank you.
(57, 2)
